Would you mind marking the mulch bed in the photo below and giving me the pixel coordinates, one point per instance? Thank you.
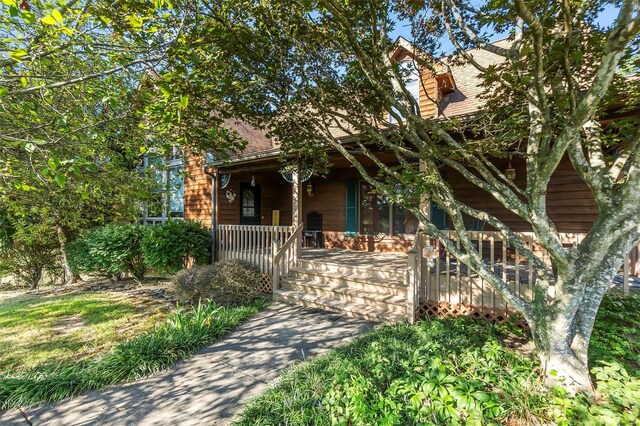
(157, 289)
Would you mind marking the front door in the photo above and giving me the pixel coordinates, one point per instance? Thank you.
(249, 204)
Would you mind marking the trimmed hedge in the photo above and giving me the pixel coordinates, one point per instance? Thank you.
(109, 250)
(114, 249)
(171, 246)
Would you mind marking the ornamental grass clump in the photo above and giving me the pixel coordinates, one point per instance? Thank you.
(228, 283)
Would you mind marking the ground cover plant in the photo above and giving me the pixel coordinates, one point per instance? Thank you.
(454, 372)
(184, 332)
(37, 330)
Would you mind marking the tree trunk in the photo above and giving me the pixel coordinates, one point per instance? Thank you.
(69, 276)
(562, 328)
(564, 367)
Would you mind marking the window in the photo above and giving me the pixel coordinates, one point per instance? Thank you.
(176, 191)
(167, 196)
(379, 216)
(248, 203)
(411, 82)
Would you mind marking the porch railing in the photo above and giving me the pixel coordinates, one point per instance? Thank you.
(253, 243)
(434, 275)
(286, 256)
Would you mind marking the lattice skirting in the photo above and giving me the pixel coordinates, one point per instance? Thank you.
(431, 308)
(265, 284)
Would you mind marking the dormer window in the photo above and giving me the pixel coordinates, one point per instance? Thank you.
(409, 70)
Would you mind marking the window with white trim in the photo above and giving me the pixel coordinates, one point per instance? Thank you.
(167, 199)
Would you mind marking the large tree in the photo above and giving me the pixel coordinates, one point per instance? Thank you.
(73, 77)
(301, 69)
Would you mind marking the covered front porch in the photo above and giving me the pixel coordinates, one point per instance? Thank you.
(337, 210)
(331, 242)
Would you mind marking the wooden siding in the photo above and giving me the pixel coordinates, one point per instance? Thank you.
(570, 204)
(197, 192)
(275, 194)
(428, 94)
(569, 200)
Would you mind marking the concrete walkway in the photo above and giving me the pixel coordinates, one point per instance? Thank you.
(210, 387)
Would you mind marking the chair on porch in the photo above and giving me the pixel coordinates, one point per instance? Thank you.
(313, 229)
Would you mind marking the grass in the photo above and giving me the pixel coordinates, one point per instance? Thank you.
(182, 334)
(454, 372)
(37, 330)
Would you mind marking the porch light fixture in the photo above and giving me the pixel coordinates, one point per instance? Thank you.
(253, 181)
(310, 189)
(510, 172)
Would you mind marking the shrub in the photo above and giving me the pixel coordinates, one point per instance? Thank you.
(171, 246)
(79, 256)
(109, 250)
(228, 283)
(30, 255)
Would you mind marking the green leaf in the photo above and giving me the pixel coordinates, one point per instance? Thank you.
(49, 20)
(482, 396)
(17, 55)
(3, 91)
(184, 101)
(29, 17)
(29, 147)
(61, 180)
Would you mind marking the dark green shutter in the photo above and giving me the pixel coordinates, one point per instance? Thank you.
(438, 216)
(351, 208)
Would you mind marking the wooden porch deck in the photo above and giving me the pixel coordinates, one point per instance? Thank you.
(395, 261)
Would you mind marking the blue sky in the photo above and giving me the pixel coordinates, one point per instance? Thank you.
(403, 29)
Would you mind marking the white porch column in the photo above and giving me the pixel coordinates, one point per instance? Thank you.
(296, 210)
(296, 197)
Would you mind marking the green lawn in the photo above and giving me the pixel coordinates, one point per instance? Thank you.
(38, 330)
(455, 372)
(109, 319)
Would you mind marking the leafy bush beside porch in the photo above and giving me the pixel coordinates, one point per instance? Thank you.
(114, 249)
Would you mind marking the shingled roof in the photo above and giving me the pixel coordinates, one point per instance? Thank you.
(463, 100)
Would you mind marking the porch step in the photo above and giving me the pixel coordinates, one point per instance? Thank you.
(388, 302)
(354, 310)
(357, 281)
(380, 272)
